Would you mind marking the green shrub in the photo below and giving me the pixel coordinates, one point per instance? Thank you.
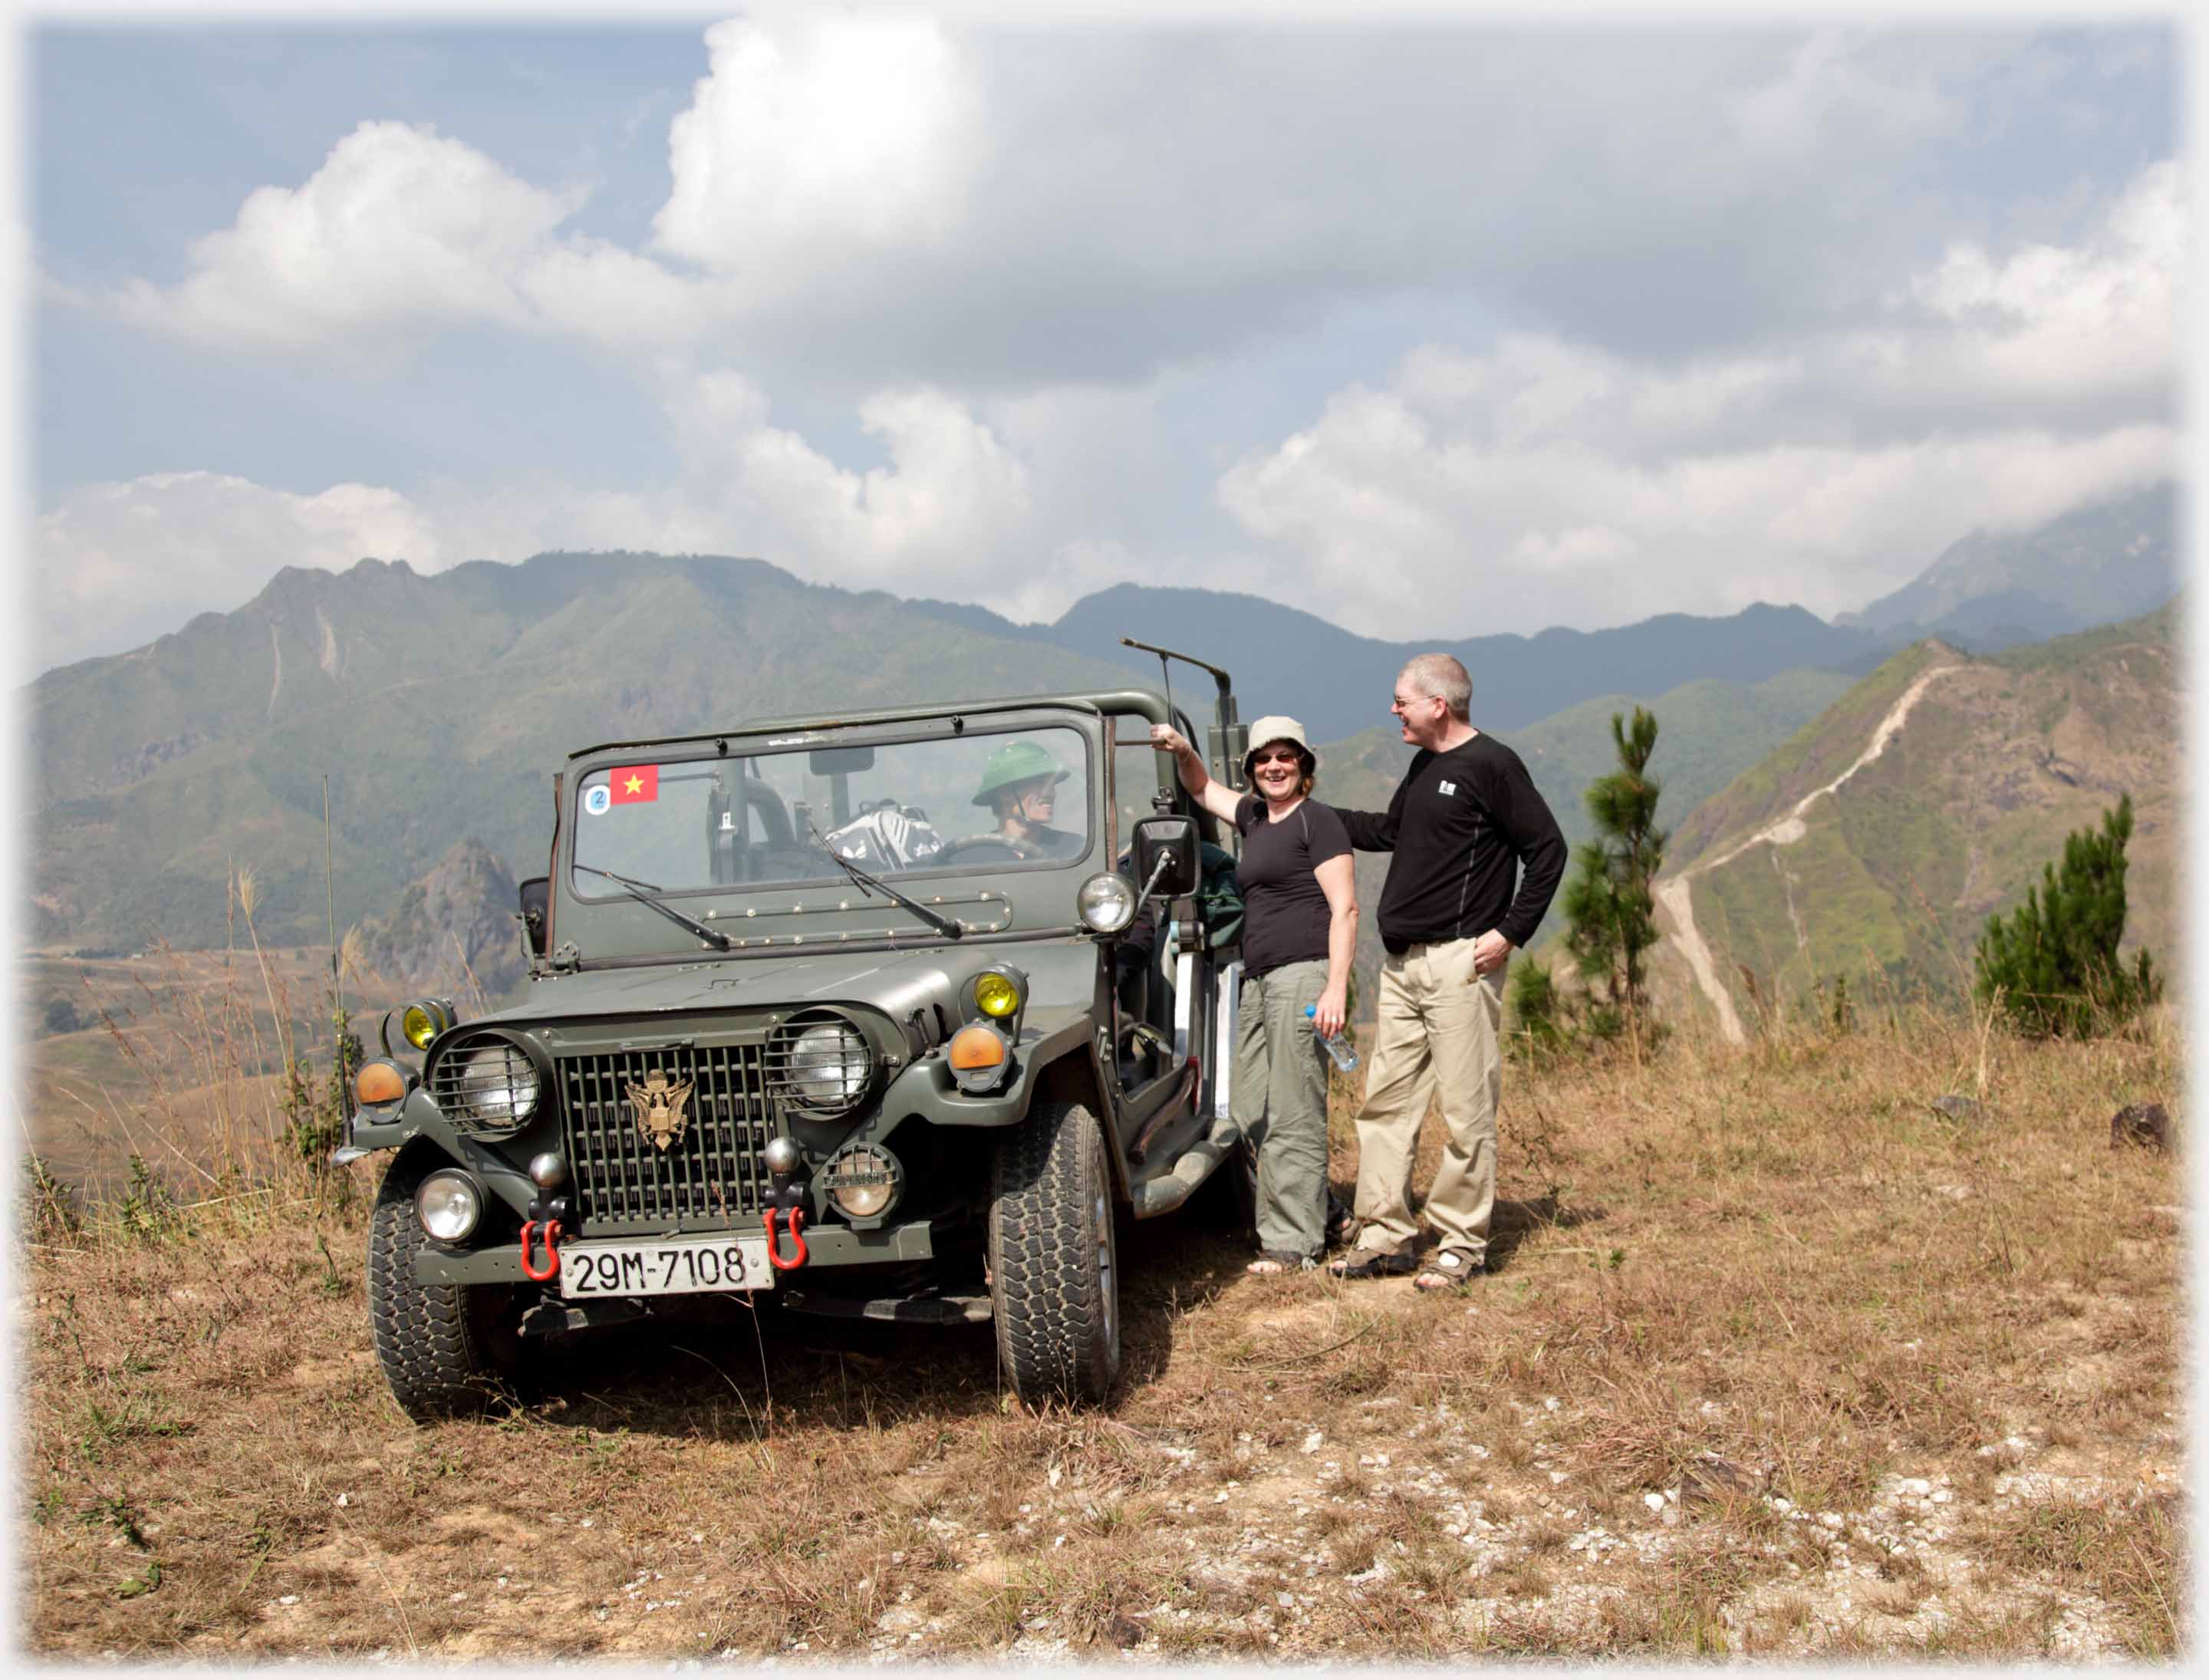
(1608, 903)
(1538, 1013)
(2052, 966)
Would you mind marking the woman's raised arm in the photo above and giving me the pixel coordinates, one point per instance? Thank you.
(1221, 802)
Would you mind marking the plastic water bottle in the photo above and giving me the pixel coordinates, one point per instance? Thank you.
(1338, 1044)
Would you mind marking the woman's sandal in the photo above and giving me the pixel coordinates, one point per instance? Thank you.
(1445, 1268)
(1361, 1263)
(1271, 1261)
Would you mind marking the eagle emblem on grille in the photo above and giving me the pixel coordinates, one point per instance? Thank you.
(658, 1106)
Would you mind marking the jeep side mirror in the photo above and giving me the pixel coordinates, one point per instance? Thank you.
(536, 895)
(1167, 856)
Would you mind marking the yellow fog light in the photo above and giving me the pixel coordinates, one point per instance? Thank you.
(996, 994)
(424, 1019)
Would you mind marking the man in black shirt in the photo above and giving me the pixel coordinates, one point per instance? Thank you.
(1464, 821)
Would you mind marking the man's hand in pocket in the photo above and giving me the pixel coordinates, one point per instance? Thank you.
(1491, 952)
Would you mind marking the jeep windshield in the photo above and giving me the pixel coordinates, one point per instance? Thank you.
(981, 802)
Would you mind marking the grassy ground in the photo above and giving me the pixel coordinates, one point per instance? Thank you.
(177, 1056)
(1775, 1360)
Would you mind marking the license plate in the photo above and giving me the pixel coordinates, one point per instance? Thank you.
(666, 1266)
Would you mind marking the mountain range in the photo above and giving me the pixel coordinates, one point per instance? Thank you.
(1343, 682)
(2104, 562)
(2101, 563)
(437, 707)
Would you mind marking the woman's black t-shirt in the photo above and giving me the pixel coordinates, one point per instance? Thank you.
(1284, 909)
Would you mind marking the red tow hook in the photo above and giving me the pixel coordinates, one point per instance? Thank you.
(552, 1255)
(773, 1249)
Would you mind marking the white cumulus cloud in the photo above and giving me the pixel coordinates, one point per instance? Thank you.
(947, 506)
(813, 135)
(1545, 482)
(926, 203)
(2064, 319)
(404, 231)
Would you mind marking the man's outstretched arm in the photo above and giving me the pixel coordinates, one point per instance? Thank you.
(1375, 831)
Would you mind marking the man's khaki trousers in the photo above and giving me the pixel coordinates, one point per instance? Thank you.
(1438, 1031)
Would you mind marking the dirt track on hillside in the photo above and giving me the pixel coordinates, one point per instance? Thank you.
(1676, 894)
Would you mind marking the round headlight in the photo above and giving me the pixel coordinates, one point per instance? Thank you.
(828, 1065)
(498, 1087)
(448, 1204)
(1106, 903)
(863, 1181)
(996, 995)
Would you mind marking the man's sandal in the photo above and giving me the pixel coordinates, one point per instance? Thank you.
(1278, 1260)
(1446, 1269)
(1362, 1263)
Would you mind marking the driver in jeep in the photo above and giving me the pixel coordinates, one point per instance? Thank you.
(1019, 784)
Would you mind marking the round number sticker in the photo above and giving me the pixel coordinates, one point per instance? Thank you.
(598, 801)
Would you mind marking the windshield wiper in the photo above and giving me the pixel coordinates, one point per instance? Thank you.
(714, 936)
(942, 924)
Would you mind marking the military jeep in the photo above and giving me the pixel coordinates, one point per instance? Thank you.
(884, 1015)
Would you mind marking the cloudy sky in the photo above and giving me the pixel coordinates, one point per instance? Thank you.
(1424, 328)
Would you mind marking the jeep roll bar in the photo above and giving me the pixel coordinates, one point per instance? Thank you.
(1228, 740)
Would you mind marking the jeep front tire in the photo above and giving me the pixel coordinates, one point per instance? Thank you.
(446, 1349)
(1054, 1260)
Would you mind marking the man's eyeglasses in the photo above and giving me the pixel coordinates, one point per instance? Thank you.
(1400, 703)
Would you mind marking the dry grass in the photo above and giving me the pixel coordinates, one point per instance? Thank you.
(1780, 1256)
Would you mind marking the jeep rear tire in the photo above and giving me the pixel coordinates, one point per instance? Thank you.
(1054, 1258)
(446, 1349)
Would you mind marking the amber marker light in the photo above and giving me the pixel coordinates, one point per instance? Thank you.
(378, 1084)
(978, 1055)
(974, 1047)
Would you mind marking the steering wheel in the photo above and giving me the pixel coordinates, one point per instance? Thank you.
(980, 846)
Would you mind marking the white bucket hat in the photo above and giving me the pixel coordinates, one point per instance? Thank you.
(1270, 729)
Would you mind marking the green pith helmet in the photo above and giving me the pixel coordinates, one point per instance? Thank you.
(1017, 761)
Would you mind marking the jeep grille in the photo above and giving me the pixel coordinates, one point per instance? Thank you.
(711, 1175)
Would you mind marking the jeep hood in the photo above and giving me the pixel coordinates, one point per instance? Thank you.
(1061, 972)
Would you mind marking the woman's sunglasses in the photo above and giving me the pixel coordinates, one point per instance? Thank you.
(1257, 759)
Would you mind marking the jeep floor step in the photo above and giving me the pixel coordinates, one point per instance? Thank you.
(1166, 1188)
(892, 1309)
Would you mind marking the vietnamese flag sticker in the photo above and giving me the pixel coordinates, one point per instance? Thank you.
(636, 784)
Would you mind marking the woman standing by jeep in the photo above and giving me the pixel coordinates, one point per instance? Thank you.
(1299, 929)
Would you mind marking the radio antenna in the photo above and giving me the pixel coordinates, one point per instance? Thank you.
(1165, 674)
